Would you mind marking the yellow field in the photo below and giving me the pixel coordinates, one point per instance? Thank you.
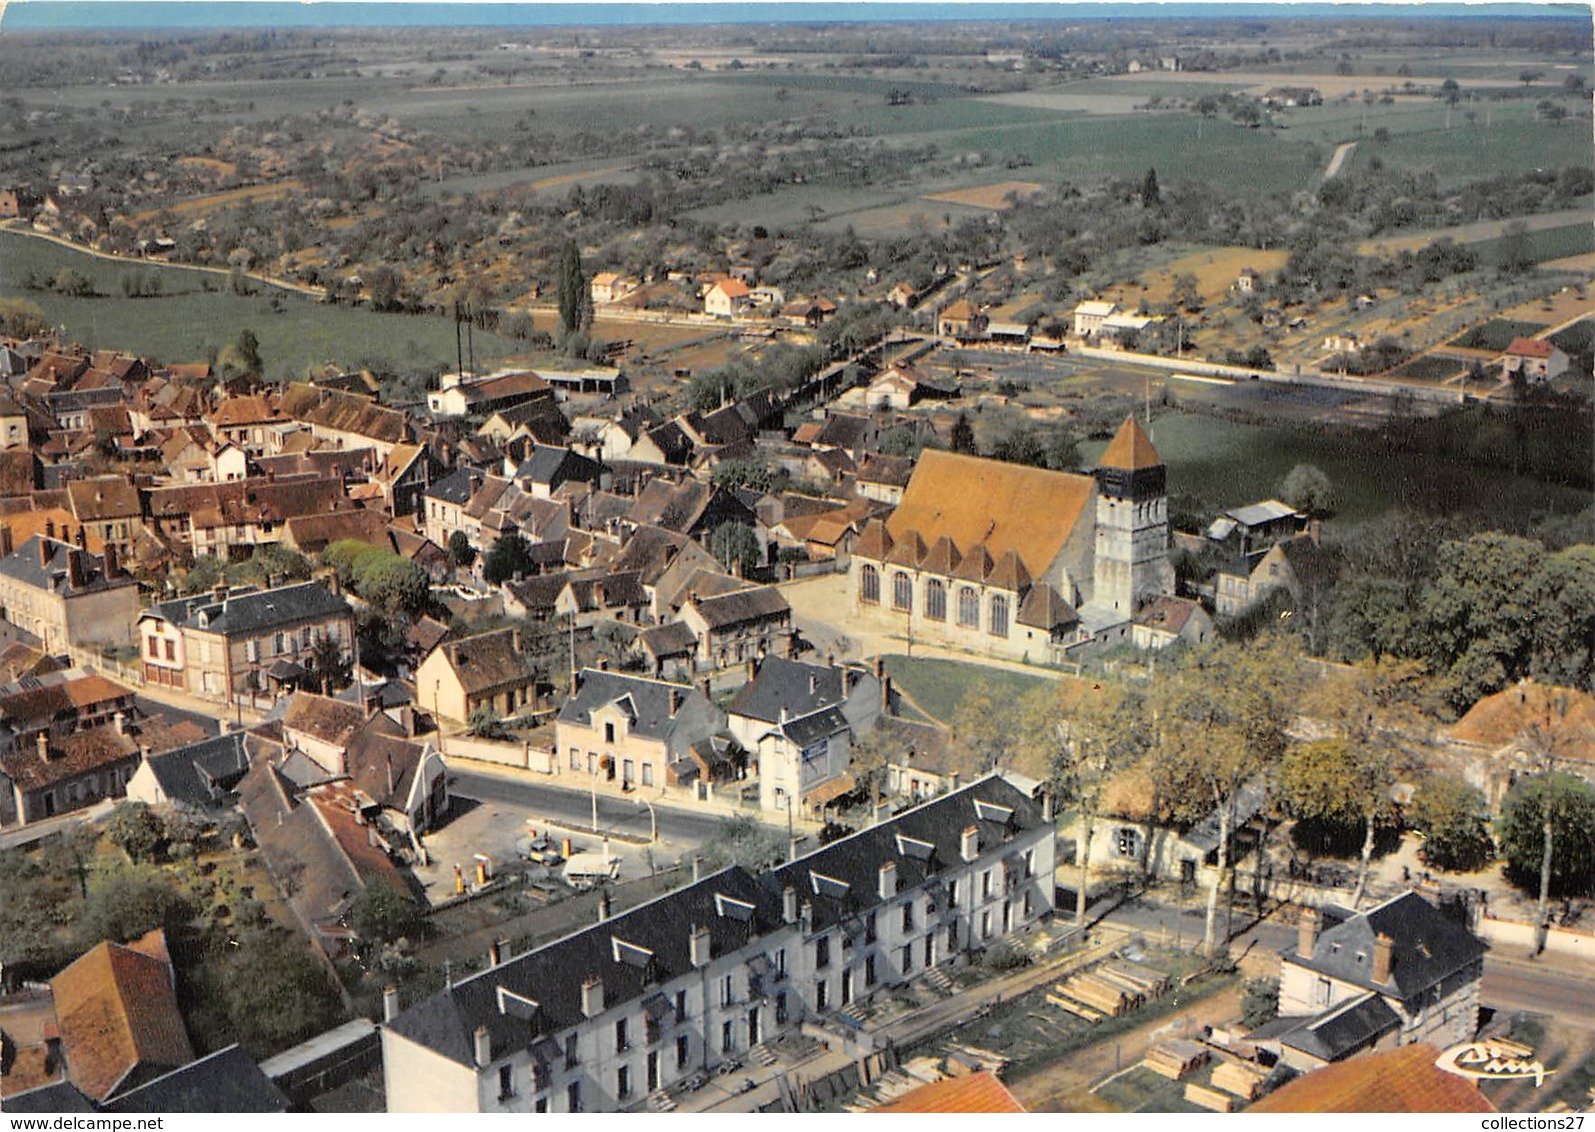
(991, 197)
(1552, 310)
(1215, 270)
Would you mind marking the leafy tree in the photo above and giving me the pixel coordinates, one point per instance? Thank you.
(1547, 830)
(753, 474)
(1475, 620)
(963, 437)
(1221, 722)
(346, 554)
(206, 573)
(1259, 1002)
(985, 724)
(327, 664)
(1561, 595)
(743, 840)
(461, 552)
(1151, 197)
(511, 554)
(1515, 256)
(270, 990)
(1450, 92)
(1186, 292)
(575, 295)
(1306, 488)
(135, 830)
(383, 914)
(1454, 820)
(392, 582)
(736, 545)
(125, 903)
(1021, 446)
(1063, 451)
(872, 754)
(899, 441)
(1573, 84)
(20, 318)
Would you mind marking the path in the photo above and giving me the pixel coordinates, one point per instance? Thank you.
(1342, 151)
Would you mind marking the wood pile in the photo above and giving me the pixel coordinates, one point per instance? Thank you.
(1245, 1081)
(1078, 1009)
(1108, 996)
(1150, 982)
(1176, 1058)
(1209, 1098)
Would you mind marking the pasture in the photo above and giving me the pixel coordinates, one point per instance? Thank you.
(196, 314)
(1541, 246)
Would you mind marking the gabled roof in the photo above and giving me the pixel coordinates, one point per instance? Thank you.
(972, 1093)
(1427, 947)
(874, 542)
(201, 774)
(117, 1011)
(248, 611)
(1042, 608)
(790, 688)
(1563, 717)
(487, 660)
(909, 550)
(1530, 348)
(971, 500)
(1343, 1030)
(757, 603)
(1009, 573)
(975, 566)
(322, 717)
(1131, 449)
(647, 703)
(1166, 613)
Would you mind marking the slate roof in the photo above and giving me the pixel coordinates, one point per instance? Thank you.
(547, 465)
(740, 606)
(1349, 1027)
(663, 641)
(250, 611)
(61, 1097)
(1428, 947)
(117, 1010)
(456, 487)
(647, 703)
(552, 976)
(79, 753)
(202, 774)
(1268, 511)
(225, 1081)
(789, 686)
(22, 565)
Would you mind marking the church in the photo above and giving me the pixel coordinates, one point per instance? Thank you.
(1019, 562)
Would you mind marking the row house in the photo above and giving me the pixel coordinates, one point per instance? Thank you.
(346, 420)
(216, 518)
(50, 776)
(252, 422)
(229, 642)
(632, 1005)
(740, 626)
(487, 672)
(632, 728)
(65, 596)
(108, 509)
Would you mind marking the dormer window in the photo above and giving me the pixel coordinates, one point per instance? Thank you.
(609, 732)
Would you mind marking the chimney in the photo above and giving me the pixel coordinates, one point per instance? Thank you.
(886, 695)
(789, 905)
(675, 702)
(753, 670)
(953, 780)
(1046, 807)
(1306, 932)
(219, 594)
(390, 1002)
(880, 667)
(113, 567)
(44, 746)
(335, 584)
(495, 956)
(708, 688)
(83, 538)
(1315, 530)
(697, 868)
(793, 845)
(484, 1048)
(814, 683)
(1383, 958)
(592, 996)
(49, 528)
(603, 906)
(44, 554)
(698, 949)
(969, 843)
(121, 723)
(515, 639)
(888, 880)
(390, 772)
(5, 540)
(74, 568)
(806, 917)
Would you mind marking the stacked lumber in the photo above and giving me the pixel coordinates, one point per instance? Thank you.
(1209, 1098)
(1245, 1081)
(1152, 982)
(1101, 994)
(1068, 1005)
(1175, 1058)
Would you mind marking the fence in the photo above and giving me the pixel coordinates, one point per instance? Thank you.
(1558, 941)
(522, 755)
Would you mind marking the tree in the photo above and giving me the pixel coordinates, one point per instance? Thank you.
(20, 318)
(206, 573)
(1151, 197)
(1451, 92)
(1547, 830)
(461, 552)
(898, 441)
(1186, 292)
(392, 582)
(1062, 452)
(485, 723)
(246, 349)
(872, 753)
(1342, 783)
(985, 725)
(125, 903)
(1561, 596)
(746, 841)
(1221, 722)
(270, 989)
(1021, 446)
(1454, 820)
(575, 295)
(383, 914)
(1306, 488)
(510, 555)
(1573, 84)
(1259, 1002)
(963, 436)
(326, 664)
(136, 831)
(1528, 77)
(1474, 619)
(1515, 255)
(736, 546)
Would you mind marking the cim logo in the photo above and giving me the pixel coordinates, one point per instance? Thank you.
(1495, 1060)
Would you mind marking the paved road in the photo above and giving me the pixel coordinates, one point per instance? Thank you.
(575, 807)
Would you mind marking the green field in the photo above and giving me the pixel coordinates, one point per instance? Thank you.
(939, 687)
(1576, 339)
(1230, 464)
(187, 322)
(1497, 334)
(1512, 142)
(1542, 246)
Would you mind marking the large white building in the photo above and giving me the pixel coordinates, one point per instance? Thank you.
(598, 1020)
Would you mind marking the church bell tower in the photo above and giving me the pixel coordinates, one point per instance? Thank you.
(1131, 560)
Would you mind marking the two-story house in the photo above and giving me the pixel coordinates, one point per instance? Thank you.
(632, 728)
(64, 595)
(486, 672)
(737, 627)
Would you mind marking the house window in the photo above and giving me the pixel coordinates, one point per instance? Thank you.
(869, 928)
(822, 994)
(622, 1041)
(623, 1082)
(780, 1009)
(908, 958)
(999, 616)
(869, 969)
(609, 732)
(155, 650)
(908, 916)
(968, 608)
(727, 991)
(930, 950)
(683, 1050)
(952, 936)
(304, 637)
(647, 774)
(280, 644)
(1325, 992)
(822, 953)
(540, 1105)
(628, 771)
(869, 585)
(505, 1083)
(575, 758)
(573, 1096)
(985, 925)
(935, 600)
(728, 1036)
(1125, 842)
(902, 592)
(985, 885)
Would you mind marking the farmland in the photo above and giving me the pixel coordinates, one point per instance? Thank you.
(196, 314)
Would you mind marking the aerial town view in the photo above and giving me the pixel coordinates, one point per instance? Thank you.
(796, 559)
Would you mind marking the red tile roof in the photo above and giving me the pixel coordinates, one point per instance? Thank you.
(1398, 1080)
(976, 1092)
(1530, 348)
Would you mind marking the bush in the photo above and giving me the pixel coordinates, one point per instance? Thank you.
(383, 914)
(136, 831)
(1453, 818)
(1004, 955)
(125, 903)
(1259, 1002)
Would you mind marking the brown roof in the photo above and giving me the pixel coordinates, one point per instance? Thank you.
(233, 412)
(875, 541)
(1031, 511)
(110, 497)
(1398, 1080)
(754, 604)
(909, 550)
(973, 1092)
(117, 1009)
(331, 721)
(344, 412)
(962, 309)
(733, 288)
(1565, 717)
(1167, 613)
(487, 660)
(80, 753)
(1043, 608)
(92, 690)
(1009, 574)
(1530, 348)
(1131, 449)
(975, 565)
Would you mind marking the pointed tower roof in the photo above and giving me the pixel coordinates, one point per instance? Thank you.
(1131, 449)
(1009, 574)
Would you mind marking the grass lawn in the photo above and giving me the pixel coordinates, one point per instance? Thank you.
(1546, 244)
(187, 321)
(940, 686)
(1430, 368)
(1511, 141)
(1228, 464)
